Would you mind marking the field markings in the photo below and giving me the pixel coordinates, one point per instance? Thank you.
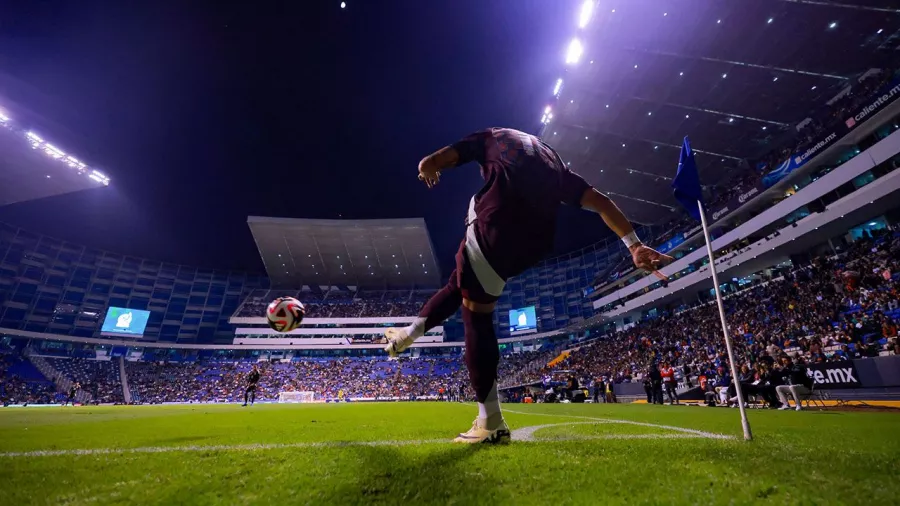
(682, 430)
(523, 434)
(219, 448)
(527, 433)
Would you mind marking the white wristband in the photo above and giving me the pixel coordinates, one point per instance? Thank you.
(631, 239)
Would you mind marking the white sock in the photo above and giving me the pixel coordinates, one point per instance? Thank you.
(490, 408)
(417, 329)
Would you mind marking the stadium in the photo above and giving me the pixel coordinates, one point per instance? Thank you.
(123, 378)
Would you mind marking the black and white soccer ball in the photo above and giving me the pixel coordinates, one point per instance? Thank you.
(284, 314)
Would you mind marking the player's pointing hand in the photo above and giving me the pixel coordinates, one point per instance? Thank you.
(650, 260)
(430, 178)
(429, 173)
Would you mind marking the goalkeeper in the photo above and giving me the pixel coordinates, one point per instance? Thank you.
(252, 381)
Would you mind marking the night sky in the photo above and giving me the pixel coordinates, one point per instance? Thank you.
(203, 113)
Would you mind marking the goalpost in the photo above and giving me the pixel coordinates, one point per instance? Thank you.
(296, 397)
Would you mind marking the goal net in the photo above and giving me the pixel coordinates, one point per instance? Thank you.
(296, 397)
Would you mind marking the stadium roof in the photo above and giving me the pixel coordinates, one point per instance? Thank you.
(32, 166)
(362, 253)
(31, 170)
(735, 76)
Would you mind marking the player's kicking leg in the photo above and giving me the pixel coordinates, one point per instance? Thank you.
(441, 306)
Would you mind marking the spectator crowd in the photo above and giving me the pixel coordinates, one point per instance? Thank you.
(338, 304)
(838, 308)
(328, 378)
(20, 383)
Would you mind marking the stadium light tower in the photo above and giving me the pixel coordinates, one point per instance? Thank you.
(574, 52)
(587, 10)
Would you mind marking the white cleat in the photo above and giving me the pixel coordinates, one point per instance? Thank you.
(479, 433)
(397, 341)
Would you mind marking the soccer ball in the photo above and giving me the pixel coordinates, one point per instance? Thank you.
(284, 314)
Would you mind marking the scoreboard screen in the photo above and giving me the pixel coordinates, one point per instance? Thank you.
(124, 322)
(522, 320)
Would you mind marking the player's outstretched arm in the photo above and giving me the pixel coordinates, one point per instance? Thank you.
(644, 257)
(431, 166)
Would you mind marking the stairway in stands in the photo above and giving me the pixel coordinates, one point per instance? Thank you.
(62, 383)
(126, 392)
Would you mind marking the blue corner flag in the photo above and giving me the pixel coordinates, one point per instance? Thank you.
(687, 181)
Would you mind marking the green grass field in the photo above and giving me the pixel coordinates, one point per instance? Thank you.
(400, 454)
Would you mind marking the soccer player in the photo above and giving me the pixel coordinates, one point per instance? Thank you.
(252, 380)
(73, 390)
(510, 227)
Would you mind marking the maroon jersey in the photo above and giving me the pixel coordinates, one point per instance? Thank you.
(525, 182)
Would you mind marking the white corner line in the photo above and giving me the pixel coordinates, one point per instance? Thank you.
(683, 430)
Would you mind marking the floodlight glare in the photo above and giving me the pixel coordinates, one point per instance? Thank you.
(558, 87)
(587, 9)
(53, 151)
(575, 51)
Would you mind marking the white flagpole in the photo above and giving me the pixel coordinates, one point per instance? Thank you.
(734, 371)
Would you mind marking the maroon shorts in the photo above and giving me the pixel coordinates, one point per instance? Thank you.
(465, 279)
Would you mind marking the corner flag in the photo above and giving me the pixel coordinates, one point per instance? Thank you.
(687, 182)
(689, 194)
